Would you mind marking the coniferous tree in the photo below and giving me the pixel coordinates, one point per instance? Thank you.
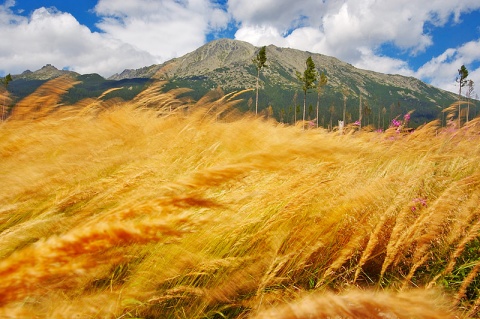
(462, 81)
(308, 79)
(259, 63)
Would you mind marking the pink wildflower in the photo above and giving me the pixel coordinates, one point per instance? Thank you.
(396, 123)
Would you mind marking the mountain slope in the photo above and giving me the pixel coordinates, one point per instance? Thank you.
(228, 64)
(375, 97)
(47, 72)
(88, 85)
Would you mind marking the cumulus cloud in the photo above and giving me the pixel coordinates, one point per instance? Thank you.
(353, 31)
(371, 61)
(135, 33)
(166, 29)
(442, 70)
(49, 36)
(138, 33)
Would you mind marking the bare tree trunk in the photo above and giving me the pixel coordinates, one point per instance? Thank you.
(4, 116)
(304, 107)
(360, 111)
(459, 103)
(378, 120)
(468, 109)
(295, 108)
(256, 98)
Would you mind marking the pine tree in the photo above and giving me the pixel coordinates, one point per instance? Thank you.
(462, 81)
(259, 63)
(308, 79)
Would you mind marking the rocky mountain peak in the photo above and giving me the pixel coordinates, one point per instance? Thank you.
(47, 72)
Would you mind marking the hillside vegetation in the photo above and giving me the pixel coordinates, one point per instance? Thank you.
(350, 94)
(164, 208)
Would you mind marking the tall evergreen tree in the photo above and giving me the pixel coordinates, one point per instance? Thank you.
(259, 63)
(308, 79)
(462, 81)
(5, 81)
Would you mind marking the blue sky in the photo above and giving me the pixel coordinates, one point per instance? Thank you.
(429, 40)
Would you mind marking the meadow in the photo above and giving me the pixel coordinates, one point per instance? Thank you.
(162, 207)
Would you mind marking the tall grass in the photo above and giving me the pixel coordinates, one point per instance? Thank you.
(165, 208)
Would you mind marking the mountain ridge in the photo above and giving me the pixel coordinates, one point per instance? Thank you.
(47, 72)
(196, 64)
(227, 64)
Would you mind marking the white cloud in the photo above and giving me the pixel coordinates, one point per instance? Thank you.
(441, 71)
(279, 14)
(50, 36)
(350, 30)
(166, 28)
(383, 64)
(136, 33)
(261, 35)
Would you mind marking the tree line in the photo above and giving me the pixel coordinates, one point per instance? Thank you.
(312, 79)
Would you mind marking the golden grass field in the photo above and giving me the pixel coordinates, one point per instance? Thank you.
(165, 208)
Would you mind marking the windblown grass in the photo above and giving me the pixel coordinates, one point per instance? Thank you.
(166, 208)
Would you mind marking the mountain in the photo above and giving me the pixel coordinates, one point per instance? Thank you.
(227, 64)
(91, 85)
(48, 72)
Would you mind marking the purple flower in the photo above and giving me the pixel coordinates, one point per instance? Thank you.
(396, 123)
(407, 117)
(357, 123)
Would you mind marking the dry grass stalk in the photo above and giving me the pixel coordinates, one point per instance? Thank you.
(273, 208)
(44, 100)
(364, 304)
(428, 229)
(374, 239)
(77, 252)
(471, 235)
(467, 281)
